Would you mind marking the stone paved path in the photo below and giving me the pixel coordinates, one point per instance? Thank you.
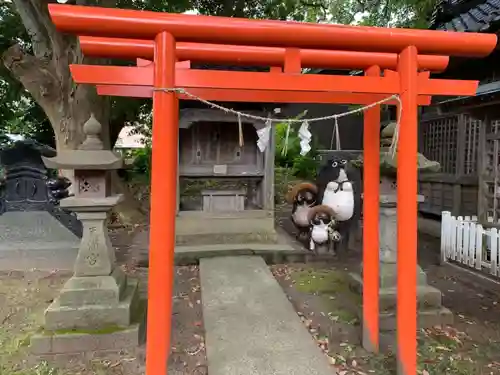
(251, 326)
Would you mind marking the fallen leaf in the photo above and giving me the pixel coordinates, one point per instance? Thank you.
(443, 348)
(194, 351)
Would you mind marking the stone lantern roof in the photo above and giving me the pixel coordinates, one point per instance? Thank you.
(90, 155)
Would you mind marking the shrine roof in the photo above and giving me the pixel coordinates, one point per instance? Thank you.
(485, 93)
(466, 15)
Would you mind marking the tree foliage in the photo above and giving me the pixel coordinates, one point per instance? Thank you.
(12, 93)
(25, 23)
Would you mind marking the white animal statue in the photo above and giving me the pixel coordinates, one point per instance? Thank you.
(340, 197)
(339, 187)
(322, 229)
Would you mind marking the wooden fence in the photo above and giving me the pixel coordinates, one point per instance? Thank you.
(466, 242)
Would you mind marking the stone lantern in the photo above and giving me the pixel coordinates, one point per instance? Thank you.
(430, 310)
(98, 296)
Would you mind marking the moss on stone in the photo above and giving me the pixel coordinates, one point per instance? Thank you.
(98, 331)
(24, 342)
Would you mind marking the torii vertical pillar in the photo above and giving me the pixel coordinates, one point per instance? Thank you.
(163, 206)
(407, 214)
(371, 178)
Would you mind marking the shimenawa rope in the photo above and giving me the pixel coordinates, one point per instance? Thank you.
(271, 120)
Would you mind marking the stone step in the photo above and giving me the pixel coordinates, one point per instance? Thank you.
(208, 223)
(267, 237)
(281, 251)
(426, 319)
(272, 253)
(427, 296)
(274, 245)
(251, 326)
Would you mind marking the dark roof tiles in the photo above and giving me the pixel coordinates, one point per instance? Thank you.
(473, 17)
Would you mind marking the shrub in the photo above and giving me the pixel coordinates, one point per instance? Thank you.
(141, 166)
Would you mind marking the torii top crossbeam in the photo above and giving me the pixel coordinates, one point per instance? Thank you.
(295, 41)
(121, 23)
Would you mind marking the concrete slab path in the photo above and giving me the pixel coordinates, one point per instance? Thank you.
(251, 326)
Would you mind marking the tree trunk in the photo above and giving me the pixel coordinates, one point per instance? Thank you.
(46, 76)
(129, 210)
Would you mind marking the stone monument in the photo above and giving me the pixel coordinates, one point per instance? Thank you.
(34, 231)
(98, 304)
(430, 309)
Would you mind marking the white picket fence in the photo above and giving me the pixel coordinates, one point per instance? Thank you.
(465, 241)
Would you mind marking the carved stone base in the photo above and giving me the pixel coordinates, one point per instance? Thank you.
(94, 302)
(429, 299)
(94, 290)
(53, 346)
(429, 305)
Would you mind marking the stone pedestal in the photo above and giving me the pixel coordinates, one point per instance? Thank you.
(430, 310)
(34, 232)
(99, 302)
(98, 296)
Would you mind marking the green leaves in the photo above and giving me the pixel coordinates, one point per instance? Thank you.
(11, 91)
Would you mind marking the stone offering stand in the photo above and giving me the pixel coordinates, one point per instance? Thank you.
(98, 307)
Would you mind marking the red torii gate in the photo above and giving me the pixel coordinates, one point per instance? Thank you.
(155, 36)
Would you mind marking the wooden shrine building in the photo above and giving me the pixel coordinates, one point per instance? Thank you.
(225, 188)
(463, 133)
